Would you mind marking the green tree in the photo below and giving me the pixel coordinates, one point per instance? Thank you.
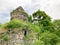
(57, 27)
(49, 38)
(57, 24)
(41, 15)
(30, 19)
(43, 20)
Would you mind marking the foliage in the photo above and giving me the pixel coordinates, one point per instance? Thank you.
(33, 27)
(5, 37)
(14, 24)
(57, 24)
(0, 25)
(49, 38)
(41, 15)
(57, 27)
(48, 32)
(30, 18)
(38, 42)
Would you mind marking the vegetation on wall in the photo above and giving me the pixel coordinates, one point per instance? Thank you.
(5, 37)
(48, 32)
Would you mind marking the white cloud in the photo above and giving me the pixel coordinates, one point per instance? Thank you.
(52, 7)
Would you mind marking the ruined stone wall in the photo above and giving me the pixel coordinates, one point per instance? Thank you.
(19, 13)
(18, 38)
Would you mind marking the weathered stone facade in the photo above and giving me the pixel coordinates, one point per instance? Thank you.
(19, 13)
(19, 36)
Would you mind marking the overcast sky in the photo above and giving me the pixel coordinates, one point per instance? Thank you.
(51, 7)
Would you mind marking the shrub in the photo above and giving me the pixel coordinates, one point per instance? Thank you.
(5, 37)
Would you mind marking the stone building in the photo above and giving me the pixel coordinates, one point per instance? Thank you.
(19, 36)
(19, 13)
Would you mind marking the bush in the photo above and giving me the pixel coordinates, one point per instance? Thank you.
(5, 37)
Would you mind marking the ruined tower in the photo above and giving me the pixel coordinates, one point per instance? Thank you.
(19, 13)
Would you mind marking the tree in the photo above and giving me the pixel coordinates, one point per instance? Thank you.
(49, 38)
(43, 20)
(57, 27)
(41, 15)
(57, 24)
(30, 19)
